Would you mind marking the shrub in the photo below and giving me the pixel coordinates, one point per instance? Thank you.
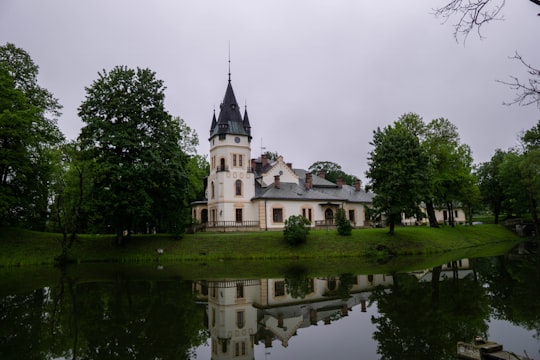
(344, 226)
(296, 229)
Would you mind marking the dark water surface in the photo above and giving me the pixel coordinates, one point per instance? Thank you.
(152, 312)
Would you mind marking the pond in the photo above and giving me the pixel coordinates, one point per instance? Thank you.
(298, 311)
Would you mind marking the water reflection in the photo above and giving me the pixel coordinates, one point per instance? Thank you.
(414, 315)
(242, 313)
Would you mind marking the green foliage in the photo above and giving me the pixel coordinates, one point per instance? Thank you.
(399, 173)
(344, 226)
(143, 158)
(296, 229)
(297, 281)
(332, 172)
(29, 141)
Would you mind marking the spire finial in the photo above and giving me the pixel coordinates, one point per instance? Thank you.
(229, 61)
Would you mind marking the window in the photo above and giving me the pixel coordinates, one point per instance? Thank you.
(222, 164)
(306, 212)
(279, 288)
(240, 158)
(234, 160)
(328, 214)
(332, 283)
(240, 319)
(277, 215)
(239, 215)
(351, 216)
(212, 190)
(224, 346)
(455, 214)
(213, 317)
(240, 348)
(238, 187)
(239, 290)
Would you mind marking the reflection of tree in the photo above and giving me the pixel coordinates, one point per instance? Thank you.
(298, 284)
(421, 320)
(21, 326)
(513, 290)
(103, 320)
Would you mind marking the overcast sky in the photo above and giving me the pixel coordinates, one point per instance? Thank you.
(317, 76)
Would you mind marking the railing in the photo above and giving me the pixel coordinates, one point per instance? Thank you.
(233, 224)
(327, 222)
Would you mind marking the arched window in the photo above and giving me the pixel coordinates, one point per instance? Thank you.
(238, 187)
(222, 164)
(328, 215)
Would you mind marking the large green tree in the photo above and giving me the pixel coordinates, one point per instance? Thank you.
(140, 182)
(451, 163)
(398, 173)
(29, 141)
(332, 171)
(489, 181)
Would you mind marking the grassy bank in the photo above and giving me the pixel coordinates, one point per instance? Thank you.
(20, 247)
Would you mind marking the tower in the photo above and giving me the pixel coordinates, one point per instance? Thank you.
(231, 180)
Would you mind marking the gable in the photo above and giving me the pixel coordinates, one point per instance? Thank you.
(280, 168)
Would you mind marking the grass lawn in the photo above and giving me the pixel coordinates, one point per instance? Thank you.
(21, 247)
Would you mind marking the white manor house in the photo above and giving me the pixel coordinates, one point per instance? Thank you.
(245, 193)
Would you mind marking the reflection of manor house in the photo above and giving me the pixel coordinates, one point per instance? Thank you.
(262, 194)
(242, 313)
(458, 269)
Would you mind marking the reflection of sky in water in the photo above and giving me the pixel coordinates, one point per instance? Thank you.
(353, 335)
(514, 338)
(349, 337)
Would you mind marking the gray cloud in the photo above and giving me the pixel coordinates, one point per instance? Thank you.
(317, 76)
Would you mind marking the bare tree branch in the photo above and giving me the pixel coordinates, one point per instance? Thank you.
(528, 92)
(471, 14)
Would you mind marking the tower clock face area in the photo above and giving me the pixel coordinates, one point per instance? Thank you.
(236, 139)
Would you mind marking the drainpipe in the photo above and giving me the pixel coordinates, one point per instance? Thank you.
(265, 217)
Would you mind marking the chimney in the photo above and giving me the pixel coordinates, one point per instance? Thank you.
(321, 174)
(363, 305)
(277, 182)
(264, 160)
(289, 165)
(357, 185)
(339, 183)
(309, 180)
(313, 316)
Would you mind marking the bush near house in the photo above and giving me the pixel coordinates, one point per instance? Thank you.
(344, 226)
(296, 229)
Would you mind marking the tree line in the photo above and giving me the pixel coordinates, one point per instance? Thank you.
(133, 167)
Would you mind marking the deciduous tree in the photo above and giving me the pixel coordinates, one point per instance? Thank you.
(141, 180)
(398, 173)
(29, 140)
(332, 171)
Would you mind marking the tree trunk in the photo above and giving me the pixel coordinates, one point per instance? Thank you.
(450, 214)
(435, 286)
(391, 224)
(534, 214)
(497, 212)
(431, 214)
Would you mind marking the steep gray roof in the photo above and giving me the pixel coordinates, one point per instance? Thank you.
(293, 191)
(230, 120)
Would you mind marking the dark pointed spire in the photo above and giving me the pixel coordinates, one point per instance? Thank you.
(246, 123)
(214, 122)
